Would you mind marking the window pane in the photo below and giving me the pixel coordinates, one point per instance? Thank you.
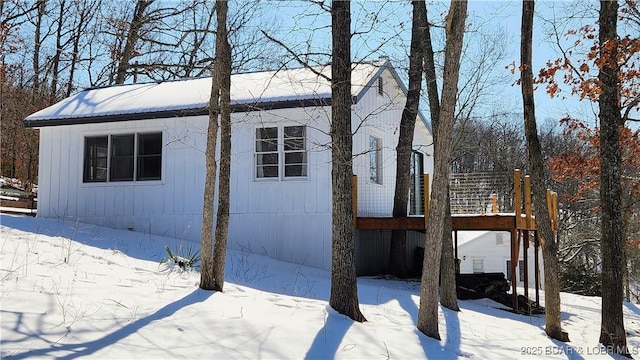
(295, 158)
(266, 145)
(95, 159)
(150, 144)
(295, 170)
(293, 144)
(294, 131)
(294, 138)
(267, 171)
(267, 159)
(267, 139)
(267, 133)
(122, 145)
(149, 165)
(121, 168)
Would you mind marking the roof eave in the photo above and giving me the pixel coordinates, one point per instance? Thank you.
(165, 114)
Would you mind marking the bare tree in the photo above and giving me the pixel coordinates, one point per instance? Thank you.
(428, 312)
(37, 44)
(398, 249)
(207, 273)
(612, 333)
(344, 285)
(448, 295)
(85, 12)
(223, 74)
(550, 244)
(133, 34)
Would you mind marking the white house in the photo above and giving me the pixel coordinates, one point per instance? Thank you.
(132, 157)
(490, 251)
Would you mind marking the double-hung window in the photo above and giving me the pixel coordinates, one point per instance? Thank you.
(126, 157)
(267, 159)
(416, 186)
(96, 155)
(478, 266)
(281, 152)
(375, 160)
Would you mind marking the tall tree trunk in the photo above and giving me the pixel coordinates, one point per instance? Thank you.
(398, 249)
(428, 312)
(132, 37)
(55, 72)
(612, 333)
(223, 54)
(344, 285)
(448, 295)
(41, 8)
(85, 13)
(207, 266)
(550, 243)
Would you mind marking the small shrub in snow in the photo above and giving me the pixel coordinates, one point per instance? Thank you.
(189, 260)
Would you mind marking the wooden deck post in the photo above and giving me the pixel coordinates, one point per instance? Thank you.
(527, 200)
(354, 200)
(536, 261)
(455, 247)
(549, 199)
(514, 283)
(525, 257)
(517, 193)
(494, 203)
(554, 203)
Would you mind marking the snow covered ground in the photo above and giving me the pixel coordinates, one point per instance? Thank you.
(70, 289)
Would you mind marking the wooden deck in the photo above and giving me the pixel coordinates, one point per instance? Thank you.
(518, 225)
(521, 225)
(491, 222)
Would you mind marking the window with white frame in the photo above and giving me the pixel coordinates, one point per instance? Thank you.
(416, 186)
(281, 152)
(267, 152)
(375, 160)
(478, 266)
(126, 157)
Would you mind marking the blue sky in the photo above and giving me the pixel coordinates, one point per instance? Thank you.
(495, 22)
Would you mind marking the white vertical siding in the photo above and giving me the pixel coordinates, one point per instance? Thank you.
(47, 138)
(381, 116)
(285, 219)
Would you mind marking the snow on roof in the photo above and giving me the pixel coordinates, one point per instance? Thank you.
(193, 94)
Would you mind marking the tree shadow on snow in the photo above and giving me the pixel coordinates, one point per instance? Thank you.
(633, 307)
(327, 342)
(72, 351)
